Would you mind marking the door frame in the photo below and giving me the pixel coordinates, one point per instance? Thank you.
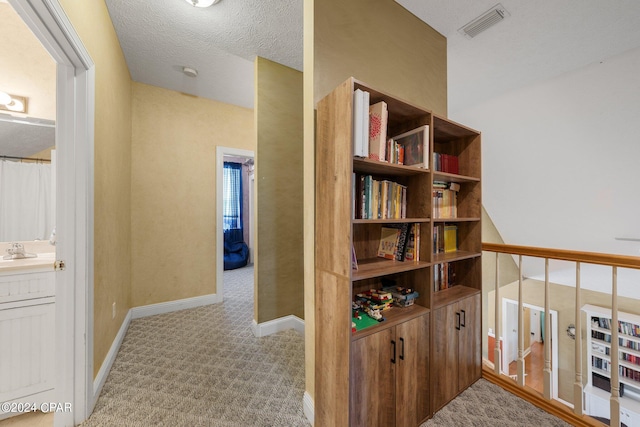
(554, 339)
(75, 106)
(221, 152)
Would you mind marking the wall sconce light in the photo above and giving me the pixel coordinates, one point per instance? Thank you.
(13, 103)
(202, 3)
(571, 331)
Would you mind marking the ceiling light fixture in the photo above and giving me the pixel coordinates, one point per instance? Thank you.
(15, 103)
(191, 72)
(202, 3)
(485, 21)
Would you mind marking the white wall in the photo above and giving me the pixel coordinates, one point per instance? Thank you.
(561, 158)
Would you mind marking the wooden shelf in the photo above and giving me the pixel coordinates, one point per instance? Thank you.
(452, 177)
(455, 219)
(454, 256)
(378, 267)
(392, 316)
(451, 295)
(374, 167)
(392, 221)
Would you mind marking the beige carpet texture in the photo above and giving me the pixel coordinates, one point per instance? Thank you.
(204, 367)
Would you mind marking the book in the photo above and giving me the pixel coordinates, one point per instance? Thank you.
(361, 123)
(415, 147)
(378, 117)
(401, 243)
(354, 260)
(388, 242)
(450, 238)
(410, 252)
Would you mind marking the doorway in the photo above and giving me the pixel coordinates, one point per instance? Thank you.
(534, 319)
(75, 76)
(245, 160)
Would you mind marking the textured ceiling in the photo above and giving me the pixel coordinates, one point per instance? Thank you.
(20, 139)
(540, 40)
(160, 37)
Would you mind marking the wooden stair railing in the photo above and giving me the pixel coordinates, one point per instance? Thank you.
(613, 261)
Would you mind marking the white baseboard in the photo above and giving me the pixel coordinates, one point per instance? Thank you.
(99, 380)
(307, 407)
(277, 325)
(169, 306)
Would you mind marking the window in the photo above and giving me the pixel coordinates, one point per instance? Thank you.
(232, 196)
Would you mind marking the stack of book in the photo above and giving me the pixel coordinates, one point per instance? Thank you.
(445, 238)
(398, 242)
(445, 163)
(375, 199)
(443, 276)
(445, 199)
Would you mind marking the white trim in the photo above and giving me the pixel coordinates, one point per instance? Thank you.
(100, 379)
(220, 153)
(308, 407)
(75, 104)
(276, 325)
(169, 306)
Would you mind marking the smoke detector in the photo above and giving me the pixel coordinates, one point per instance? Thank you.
(191, 72)
(485, 21)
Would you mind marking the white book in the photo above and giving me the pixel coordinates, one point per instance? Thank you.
(365, 124)
(358, 106)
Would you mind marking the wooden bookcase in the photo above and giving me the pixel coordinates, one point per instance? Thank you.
(358, 379)
(598, 337)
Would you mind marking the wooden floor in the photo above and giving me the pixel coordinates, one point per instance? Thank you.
(533, 367)
(32, 419)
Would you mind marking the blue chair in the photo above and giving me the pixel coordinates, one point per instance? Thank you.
(236, 251)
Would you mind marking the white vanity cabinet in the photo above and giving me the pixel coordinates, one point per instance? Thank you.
(27, 331)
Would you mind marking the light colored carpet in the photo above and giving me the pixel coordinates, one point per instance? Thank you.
(204, 367)
(485, 404)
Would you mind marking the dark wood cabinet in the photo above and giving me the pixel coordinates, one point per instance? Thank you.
(456, 362)
(390, 376)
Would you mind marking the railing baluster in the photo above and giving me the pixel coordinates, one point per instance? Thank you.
(547, 334)
(615, 380)
(521, 367)
(577, 388)
(497, 356)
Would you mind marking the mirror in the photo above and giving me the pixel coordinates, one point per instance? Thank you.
(26, 170)
(25, 137)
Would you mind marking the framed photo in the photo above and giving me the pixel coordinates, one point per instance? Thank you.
(416, 146)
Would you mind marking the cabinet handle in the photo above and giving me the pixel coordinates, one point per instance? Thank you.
(464, 318)
(402, 354)
(458, 321)
(393, 359)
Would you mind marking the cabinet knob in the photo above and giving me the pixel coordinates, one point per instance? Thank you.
(458, 321)
(402, 350)
(393, 359)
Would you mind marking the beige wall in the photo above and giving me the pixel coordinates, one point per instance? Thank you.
(27, 69)
(279, 263)
(562, 299)
(112, 172)
(385, 46)
(382, 44)
(173, 208)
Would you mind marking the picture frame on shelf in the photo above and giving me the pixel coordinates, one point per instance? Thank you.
(416, 146)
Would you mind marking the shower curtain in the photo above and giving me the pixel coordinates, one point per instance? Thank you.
(25, 201)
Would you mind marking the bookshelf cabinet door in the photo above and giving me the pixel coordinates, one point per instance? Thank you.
(469, 362)
(372, 377)
(412, 372)
(444, 364)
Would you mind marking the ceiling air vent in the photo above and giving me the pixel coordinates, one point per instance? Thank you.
(485, 21)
